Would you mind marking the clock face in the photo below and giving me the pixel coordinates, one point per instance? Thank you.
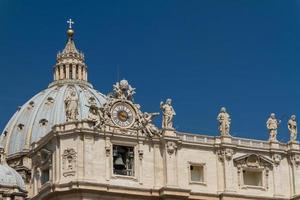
(122, 115)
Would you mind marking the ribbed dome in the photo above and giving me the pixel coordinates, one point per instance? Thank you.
(10, 178)
(36, 117)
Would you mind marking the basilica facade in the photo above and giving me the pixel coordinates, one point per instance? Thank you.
(72, 142)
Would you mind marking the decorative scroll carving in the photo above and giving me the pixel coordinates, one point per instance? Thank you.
(69, 162)
(71, 105)
(168, 114)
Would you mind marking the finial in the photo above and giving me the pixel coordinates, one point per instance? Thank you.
(70, 31)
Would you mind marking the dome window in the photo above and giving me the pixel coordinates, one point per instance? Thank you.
(50, 101)
(43, 122)
(5, 133)
(31, 104)
(21, 127)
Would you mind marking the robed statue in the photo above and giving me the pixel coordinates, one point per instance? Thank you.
(272, 125)
(224, 122)
(71, 105)
(292, 126)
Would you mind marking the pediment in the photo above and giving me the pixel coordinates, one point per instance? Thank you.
(253, 161)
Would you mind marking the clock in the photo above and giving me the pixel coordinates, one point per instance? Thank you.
(123, 115)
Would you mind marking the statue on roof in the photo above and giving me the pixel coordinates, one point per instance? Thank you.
(224, 122)
(122, 90)
(272, 125)
(292, 126)
(71, 105)
(168, 114)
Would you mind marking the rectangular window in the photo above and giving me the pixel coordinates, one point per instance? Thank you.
(252, 178)
(45, 176)
(123, 160)
(197, 173)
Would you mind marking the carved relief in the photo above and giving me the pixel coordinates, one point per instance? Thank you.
(277, 159)
(96, 114)
(225, 154)
(121, 115)
(71, 105)
(122, 90)
(171, 147)
(69, 162)
(295, 159)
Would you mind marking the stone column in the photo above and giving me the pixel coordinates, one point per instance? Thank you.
(225, 156)
(61, 72)
(85, 74)
(67, 71)
(277, 175)
(108, 152)
(56, 73)
(80, 72)
(170, 161)
(141, 156)
(73, 71)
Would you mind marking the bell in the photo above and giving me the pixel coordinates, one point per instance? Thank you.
(119, 164)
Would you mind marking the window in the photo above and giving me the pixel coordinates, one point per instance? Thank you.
(123, 160)
(45, 176)
(197, 173)
(252, 178)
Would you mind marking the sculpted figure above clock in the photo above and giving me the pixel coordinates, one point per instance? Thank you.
(122, 113)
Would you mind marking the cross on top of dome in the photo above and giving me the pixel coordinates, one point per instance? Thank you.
(70, 64)
(70, 22)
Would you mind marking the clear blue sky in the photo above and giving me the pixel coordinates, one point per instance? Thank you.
(203, 54)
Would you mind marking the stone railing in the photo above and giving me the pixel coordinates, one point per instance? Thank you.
(240, 142)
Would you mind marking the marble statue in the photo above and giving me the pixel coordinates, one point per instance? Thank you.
(292, 126)
(95, 113)
(71, 105)
(168, 114)
(149, 127)
(224, 122)
(123, 90)
(272, 125)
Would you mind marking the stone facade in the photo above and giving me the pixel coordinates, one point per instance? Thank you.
(105, 147)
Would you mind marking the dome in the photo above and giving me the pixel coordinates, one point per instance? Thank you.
(36, 117)
(10, 178)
